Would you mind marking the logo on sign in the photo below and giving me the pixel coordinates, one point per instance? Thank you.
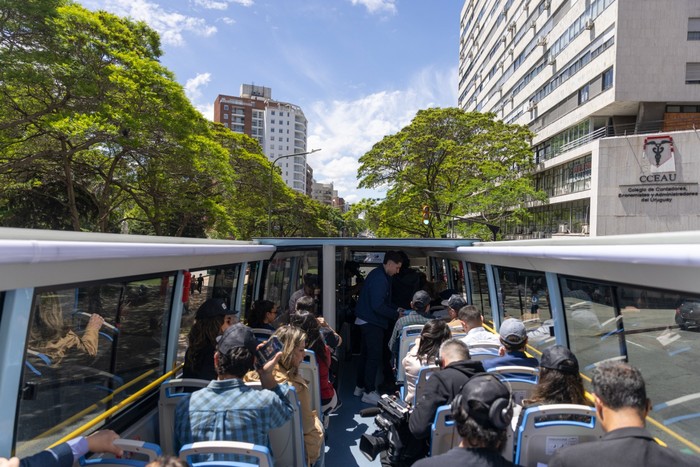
(659, 151)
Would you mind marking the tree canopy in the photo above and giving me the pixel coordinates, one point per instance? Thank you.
(457, 163)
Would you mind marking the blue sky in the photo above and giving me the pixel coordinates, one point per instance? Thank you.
(360, 69)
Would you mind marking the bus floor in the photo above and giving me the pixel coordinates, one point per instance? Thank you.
(346, 426)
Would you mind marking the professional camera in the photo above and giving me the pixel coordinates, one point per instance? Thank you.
(392, 430)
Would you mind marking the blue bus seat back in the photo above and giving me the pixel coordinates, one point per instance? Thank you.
(262, 334)
(150, 450)
(424, 374)
(547, 428)
(260, 453)
(408, 336)
(443, 433)
(171, 392)
(310, 372)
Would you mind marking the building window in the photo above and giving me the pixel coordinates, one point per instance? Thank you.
(583, 94)
(694, 29)
(225, 116)
(692, 73)
(607, 79)
(225, 106)
(273, 112)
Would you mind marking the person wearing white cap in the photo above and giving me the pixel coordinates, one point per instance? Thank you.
(513, 337)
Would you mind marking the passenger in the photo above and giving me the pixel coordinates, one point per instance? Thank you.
(473, 322)
(262, 314)
(287, 371)
(419, 314)
(374, 312)
(559, 380)
(425, 352)
(513, 338)
(330, 337)
(404, 283)
(167, 461)
(68, 453)
(308, 323)
(453, 305)
(443, 385)
(481, 411)
(212, 319)
(229, 410)
(309, 288)
(50, 335)
(622, 407)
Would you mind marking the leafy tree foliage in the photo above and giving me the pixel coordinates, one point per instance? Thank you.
(458, 163)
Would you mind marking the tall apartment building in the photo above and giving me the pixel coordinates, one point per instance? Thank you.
(279, 127)
(611, 89)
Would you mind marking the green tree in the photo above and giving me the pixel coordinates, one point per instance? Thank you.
(458, 163)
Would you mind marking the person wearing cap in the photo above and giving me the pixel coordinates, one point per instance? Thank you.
(419, 314)
(482, 410)
(473, 322)
(453, 305)
(308, 289)
(443, 385)
(559, 380)
(513, 338)
(229, 410)
(622, 407)
(213, 318)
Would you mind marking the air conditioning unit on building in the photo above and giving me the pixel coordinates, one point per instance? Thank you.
(589, 24)
(542, 41)
(531, 105)
(533, 24)
(585, 229)
(511, 26)
(511, 51)
(548, 4)
(539, 166)
(563, 228)
(552, 61)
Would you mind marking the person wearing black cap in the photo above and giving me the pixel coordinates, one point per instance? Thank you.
(213, 318)
(419, 314)
(227, 409)
(482, 411)
(454, 304)
(559, 381)
(622, 407)
(513, 337)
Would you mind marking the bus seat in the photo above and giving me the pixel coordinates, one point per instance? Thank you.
(408, 336)
(287, 441)
(444, 434)
(262, 334)
(310, 372)
(424, 373)
(547, 428)
(485, 347)
(171, 392)
(260, 453)
(480, 355)
(524, 372)
(150, 450)
(521, 379)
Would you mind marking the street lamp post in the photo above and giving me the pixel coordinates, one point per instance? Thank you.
(272, 169)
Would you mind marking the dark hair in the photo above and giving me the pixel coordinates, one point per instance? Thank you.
(433, 334)
(305, 303)
(260, 308)
(394, 256)
(167, 461)
(470, 314)
(308, 323)
(620, 385)
(556, 387)
(478, 435)
(513, 347)
(405, 262)
(237, 362)
(202, 335)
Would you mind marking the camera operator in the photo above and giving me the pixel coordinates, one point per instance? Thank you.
(482, 411)
(443, 385)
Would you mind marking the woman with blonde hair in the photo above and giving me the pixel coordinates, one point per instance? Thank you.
(293, 341)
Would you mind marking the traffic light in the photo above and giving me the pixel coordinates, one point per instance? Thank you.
(426, 214)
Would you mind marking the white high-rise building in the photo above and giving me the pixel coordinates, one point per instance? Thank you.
(279, 127)
(611, 89)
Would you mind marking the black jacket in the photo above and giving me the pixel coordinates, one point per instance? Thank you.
(440, 389)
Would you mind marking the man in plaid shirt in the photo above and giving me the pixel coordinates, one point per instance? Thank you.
(419, 314)
(227, 409)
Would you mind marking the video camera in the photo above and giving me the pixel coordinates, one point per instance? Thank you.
(392, 430)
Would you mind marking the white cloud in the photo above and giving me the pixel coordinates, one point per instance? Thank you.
(377, 6)
(193, 85)
(170, 25)
(211, 4)
(345, 130)
(227, 20)
(207, 110)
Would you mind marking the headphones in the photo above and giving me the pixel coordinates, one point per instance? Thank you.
(500, 412)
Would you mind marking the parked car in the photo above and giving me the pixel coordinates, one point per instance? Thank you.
(688, 314)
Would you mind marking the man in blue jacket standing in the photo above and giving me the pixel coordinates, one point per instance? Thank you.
(374, 312)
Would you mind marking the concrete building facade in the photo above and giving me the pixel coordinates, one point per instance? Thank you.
(597, 81)
(279, 127)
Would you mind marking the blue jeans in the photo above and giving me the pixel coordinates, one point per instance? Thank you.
(370, 356)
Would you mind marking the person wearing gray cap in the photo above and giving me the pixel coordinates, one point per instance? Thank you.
(227, 406)
(513, 337)
(482, 411)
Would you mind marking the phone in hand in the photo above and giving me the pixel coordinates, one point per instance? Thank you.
(268, 350)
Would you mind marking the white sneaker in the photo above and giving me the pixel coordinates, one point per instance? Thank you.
(371, 398)
(358, 391)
